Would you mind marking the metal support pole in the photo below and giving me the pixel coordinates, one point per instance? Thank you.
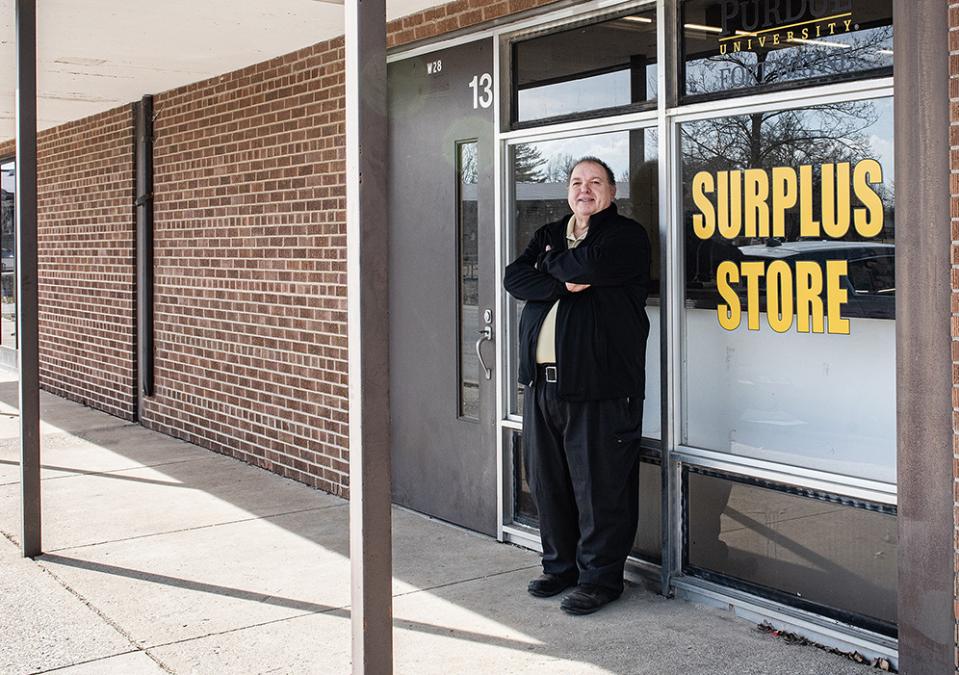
(667, 20)
(27, 303)
(367, 316)
(923, 351)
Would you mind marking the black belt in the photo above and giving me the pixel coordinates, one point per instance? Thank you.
(547, 370)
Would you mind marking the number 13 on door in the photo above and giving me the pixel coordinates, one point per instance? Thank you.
(482, 86)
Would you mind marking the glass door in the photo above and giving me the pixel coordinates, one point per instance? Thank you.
(8, 247)
(539, 170)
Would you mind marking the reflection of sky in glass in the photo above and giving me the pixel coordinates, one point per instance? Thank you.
(612, 148)
(823, 124)
(7, 179)
(882, 140)
(588, 93)
(826, 56)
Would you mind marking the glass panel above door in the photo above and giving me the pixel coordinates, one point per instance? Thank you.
(746, 45)
(599, 66)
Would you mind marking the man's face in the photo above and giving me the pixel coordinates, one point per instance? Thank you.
(589, 189)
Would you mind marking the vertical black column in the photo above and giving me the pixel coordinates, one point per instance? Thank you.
(927, 638)
(27, 298)
(367, 260)
(144, 208)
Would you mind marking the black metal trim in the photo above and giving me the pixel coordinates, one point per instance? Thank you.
(137, 201)
(808, 493)
(143, 203)
(684, 507)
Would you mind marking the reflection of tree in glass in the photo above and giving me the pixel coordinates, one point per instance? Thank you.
(861, 51)
(831, 133)
(559, 167)
(468, 163)
(6, 212)
(528, 163)
(826, 133)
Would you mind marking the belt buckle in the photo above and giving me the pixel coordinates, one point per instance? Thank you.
(551, 373)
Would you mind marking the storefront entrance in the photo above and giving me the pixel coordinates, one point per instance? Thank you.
(757, 151)
(442, 285)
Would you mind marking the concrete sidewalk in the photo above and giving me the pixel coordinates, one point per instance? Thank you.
(164, 557)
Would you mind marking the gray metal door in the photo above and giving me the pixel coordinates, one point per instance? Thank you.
(442, 285)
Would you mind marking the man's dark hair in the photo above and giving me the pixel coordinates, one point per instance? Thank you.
(593, 160)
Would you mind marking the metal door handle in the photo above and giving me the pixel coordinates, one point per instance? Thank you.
(485, 334)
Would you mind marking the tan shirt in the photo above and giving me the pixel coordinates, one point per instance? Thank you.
(546, 343)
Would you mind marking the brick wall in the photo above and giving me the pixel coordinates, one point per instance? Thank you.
(86, 261)
(954, 189)
(250, 260)
(86, 255)
(250, 252)
(454, 16)
(250, 313)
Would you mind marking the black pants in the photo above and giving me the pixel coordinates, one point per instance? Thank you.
(582, 465)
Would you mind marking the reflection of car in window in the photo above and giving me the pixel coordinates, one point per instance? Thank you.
(870, 280)
(6, 260)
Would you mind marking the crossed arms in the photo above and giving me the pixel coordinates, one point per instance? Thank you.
(615, 258)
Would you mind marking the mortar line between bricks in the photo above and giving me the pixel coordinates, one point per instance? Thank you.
(191, 529)
(329, 610)
(110, 622)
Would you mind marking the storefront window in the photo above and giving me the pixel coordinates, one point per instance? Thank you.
(790, 286)
(8, 289)
(737, 45)
(821, 555)
(540, 171)
(597, 66)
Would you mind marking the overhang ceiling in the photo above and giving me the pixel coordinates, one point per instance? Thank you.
(94, 55)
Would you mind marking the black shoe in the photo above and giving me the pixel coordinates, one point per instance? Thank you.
(587, 598)
(547, 585)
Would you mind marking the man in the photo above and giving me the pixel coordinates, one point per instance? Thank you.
(582, 353)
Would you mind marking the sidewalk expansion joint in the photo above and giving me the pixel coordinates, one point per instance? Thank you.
(343, 611)
(89, 661)
(109, 621)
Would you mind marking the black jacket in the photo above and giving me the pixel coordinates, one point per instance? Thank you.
(600, 332)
